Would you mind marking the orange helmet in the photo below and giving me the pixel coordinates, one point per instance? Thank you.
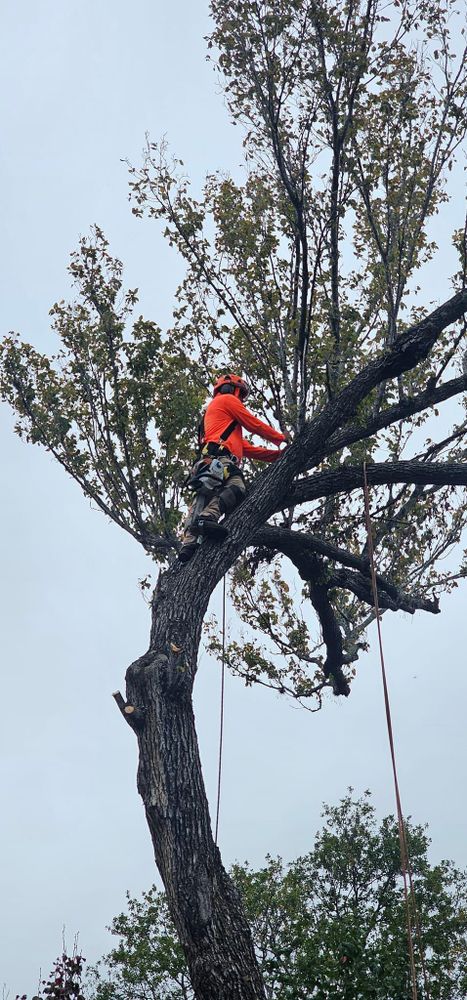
(232, 382)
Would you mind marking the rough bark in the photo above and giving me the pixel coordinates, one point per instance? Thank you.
(204, 904)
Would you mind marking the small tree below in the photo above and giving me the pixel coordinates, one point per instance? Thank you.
(65, 980)
(330, 924)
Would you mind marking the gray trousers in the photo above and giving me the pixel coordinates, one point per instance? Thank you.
(223, 501)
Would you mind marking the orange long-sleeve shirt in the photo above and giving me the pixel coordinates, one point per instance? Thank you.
(220, 413)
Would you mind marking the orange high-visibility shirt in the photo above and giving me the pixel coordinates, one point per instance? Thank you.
(220, 413)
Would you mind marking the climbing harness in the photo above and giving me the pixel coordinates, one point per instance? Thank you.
(221, 724)
(215, 448)
(208, 476)
(405, 857)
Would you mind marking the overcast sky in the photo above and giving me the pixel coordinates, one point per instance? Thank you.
(81, 83)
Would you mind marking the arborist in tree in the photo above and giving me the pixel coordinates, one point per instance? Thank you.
(216, 476)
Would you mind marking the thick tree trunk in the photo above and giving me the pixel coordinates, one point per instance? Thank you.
(204, 904)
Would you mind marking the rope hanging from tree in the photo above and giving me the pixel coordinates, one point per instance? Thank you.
(406, 866)
(405, 857)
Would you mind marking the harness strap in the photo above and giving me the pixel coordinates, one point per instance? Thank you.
(228, 430)
(222, 437)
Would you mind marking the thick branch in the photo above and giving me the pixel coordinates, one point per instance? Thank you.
(301, 549)
(300, 546)
(407, 352)
(358, 585)
(313, 572)
(348, 478)
(400, 411)
(277, 538)
(331, 632)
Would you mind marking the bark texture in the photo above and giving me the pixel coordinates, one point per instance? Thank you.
(204, 903)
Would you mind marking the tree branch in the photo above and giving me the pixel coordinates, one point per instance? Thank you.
(273, 537)
(400, 411)
(299, 545)
(332, 636)
(313, 572)
(348, 478)
(409, 349)
(358, 585)
(302, 550)
(133, 716)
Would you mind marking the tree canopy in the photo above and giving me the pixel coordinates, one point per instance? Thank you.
(329, 924)
(299, 275)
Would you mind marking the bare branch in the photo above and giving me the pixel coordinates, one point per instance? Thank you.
(348, 478)
(300, 547)
(401, 411)
(361, 587)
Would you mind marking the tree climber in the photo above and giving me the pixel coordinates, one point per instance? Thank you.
(222, 449)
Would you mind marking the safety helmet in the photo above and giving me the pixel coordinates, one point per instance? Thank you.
(231, 382)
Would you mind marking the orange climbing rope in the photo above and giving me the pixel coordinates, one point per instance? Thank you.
(405, 857)
(406, 866)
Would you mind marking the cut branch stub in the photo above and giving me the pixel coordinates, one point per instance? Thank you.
(135, 717)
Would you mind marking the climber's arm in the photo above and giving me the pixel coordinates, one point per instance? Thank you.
(253, 424)
(259, 454)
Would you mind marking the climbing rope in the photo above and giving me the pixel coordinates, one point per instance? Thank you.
(405, 857)
(406, 866)
(221, 724)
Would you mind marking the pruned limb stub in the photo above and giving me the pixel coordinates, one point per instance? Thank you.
(133, 716)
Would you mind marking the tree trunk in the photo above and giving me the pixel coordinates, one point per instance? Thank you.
(204, 904)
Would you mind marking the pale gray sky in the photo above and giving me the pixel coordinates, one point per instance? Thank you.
(80, 85)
